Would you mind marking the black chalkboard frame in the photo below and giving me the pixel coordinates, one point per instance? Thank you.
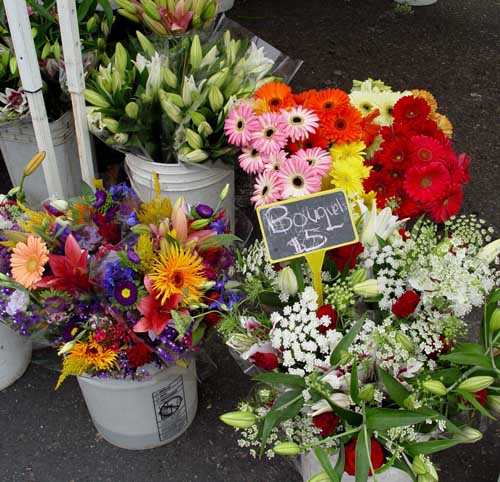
(301, 199)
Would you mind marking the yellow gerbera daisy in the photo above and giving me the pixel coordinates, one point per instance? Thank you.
(28, 261)
(349, 150)
(348, 174)
(178, 272)
(428, 97)
(444, 124)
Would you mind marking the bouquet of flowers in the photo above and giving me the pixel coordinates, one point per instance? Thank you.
(378, 376)
(171, 105)
(373, 143)
(169, 18)
(94, 27)
(118, 284)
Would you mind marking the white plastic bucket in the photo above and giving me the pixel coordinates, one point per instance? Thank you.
(416, 3)
(197, 183)
(310, 466)
(18, 145)
(15, 355)
(225, 5)
(138, 415)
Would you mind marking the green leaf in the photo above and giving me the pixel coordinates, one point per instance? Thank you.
(43, 12)
(354, 389)
(287, 399)
(84, 8)
(346, 342)
(396, 390)
(88, 193)
(402, 465)
(270, 421)
(324, 461)
(353, 418)
(462, 358)
(296, 265)
(269, 298)
(448, 375)
(430, 447)
(362, 456)
(339, 466)
(198, 333)
(286, 379)
(218, 241)
(469, 397)
(108, 11)
(468, 348)
(182, 322)
(386, 418)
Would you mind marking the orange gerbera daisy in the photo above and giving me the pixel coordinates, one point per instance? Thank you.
(370, 130)
(345, 124)
(326, 101)
(304, 97)
(28, 260)
(277, 96)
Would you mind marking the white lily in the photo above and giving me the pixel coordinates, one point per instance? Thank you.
(378, 223)
(340, 399)
(489, 252)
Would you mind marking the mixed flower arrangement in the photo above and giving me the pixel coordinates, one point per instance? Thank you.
(171, 105)
(118, 285)
(94, 26)
(373, 143)
(376, 375)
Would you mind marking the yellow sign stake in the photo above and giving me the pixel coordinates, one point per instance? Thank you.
(315, 261)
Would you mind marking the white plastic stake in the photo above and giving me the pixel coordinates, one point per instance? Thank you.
(72, 50)
(24, 47)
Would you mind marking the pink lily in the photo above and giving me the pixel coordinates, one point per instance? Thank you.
(178, 21)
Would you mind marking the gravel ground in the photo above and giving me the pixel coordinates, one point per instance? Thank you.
(452, 49)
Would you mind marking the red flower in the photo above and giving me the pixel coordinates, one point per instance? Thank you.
(395, 154)
(458, 167)
(443, 209)
(108, 229)
(327, 310)
(266, 361)
(138, 355)
(327, 422)
(69, 271)
(427, 182)
(213, 319)
(383, 184)
(411, 109)
(346, 255)
(377, 456)
(408, 208)
(480, 396)
(344, 124)
(370, 130)
(406, 304)
(426, 149)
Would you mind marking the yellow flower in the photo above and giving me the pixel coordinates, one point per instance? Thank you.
(87, 355)
(28, 261)
(144, 249)
(155, 211)
(35, 219)
(177, 271)
(348, 174)
(428, 97)
(349, 150)
(444, 124)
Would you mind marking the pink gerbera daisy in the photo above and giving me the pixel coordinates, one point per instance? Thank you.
(300, 122)
(298, 178)
(240, 125)
(427, 182)
(268, 188)
(274, 161)
(319, 159)
(251, 160)
(270, 135)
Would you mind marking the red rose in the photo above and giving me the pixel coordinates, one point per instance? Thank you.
(346, 255)
(266, 361)
(406, 304)
(327, 310)
(327, 422)
(213, 319)
(377, 456)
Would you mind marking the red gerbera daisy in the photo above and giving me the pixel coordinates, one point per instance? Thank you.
(426, 149)
(408, 208)
(382, 183)
(427, 182)
(443, 209)
(458, 166)
(411, 109)
(395, 154)
(344, 124)
(326, 101)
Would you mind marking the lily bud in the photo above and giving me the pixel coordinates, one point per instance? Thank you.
(286, 448)
(94, 98)
(200, 224)
(198, 118)
(195, 54)
(495, 321)
(34, 163)
(474, 384)
(116, 81)
(489, 252)
(60, 204)
(145, 44)
(112, 125)
(120, 138)
(419, 466)
(367, 288)
(155, 25)
(197, 156)
(435, 386)
(358, 276)
(169, 78)
(205, 129)
(367, 393)
(170, 109)
(56, 50)
(175, 98)
(287, 281)
(321, 477)
(194, 139)
(239, 419)
(46, 50)
(92, 24)
(215, 98)
(493, 403)
(130, 16)
(223, 194)
(126, 5)
(210, 57)
(141, 229)
(468, 435)
(404, 341)
(132, 110)
(120, 58)
(13, 65)
(151, 9)
(218, 78)
(209, 10)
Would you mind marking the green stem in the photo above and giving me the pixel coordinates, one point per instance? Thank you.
(463, 377)
(332, 437)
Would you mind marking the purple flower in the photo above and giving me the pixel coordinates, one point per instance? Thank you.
(204, 211)
(133, 257)
(100, 198)
(219, 226)
(88, 238)
(132, 219)
(55, 304)
(71, 330)
(126, 293)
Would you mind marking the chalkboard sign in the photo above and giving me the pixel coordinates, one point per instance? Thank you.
(299, 226)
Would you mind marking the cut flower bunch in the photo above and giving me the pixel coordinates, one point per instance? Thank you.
(116, 284)
(373, 143)
(378, 376)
